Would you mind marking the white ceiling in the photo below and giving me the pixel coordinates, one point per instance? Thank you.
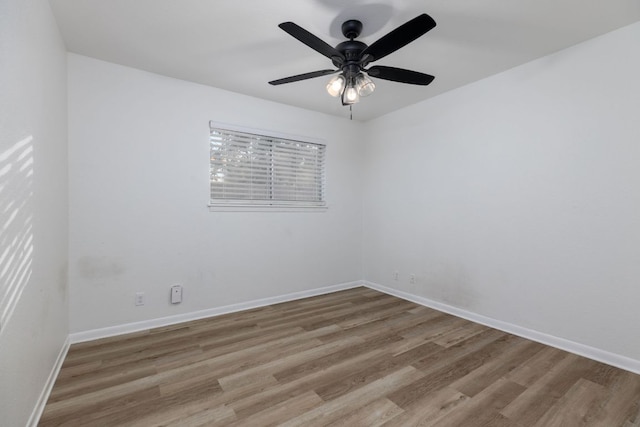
(236, 44)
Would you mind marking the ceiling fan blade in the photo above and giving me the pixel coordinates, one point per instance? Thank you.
(400, 75)
(310, 40)
(304, 76)
(401, 36)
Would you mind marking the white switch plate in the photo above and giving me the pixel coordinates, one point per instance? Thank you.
(176, 294)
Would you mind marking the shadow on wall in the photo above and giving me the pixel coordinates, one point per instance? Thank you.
(16, 224)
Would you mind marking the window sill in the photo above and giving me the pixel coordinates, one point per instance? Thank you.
(266, 208)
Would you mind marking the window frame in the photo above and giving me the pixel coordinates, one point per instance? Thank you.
(268, 205)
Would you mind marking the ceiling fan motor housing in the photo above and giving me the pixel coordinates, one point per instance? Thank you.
(351, 28)
(352, 52)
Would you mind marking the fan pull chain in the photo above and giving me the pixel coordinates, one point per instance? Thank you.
(350, 112)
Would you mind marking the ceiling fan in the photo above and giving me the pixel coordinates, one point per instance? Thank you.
(351, 57)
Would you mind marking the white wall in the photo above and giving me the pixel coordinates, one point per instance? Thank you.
(139, 147)
(33, 204)
(518, 197)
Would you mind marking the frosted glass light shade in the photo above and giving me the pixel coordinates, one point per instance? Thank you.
(365, 85)
(336, 85)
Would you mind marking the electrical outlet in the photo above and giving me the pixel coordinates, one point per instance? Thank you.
(412, 279)
(139, 298)
(396, 275)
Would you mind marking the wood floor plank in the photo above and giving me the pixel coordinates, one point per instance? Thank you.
(371, 308)
(432, 327)
(355, 357)
(169, 408)
(459, 350)
(372, 372)
(572, 408)
(429, 408)
(484, 408)
(454, 336)
(259, 341)
(497, 367)
(621, 406)
(218, 416)
(315, 351)
(373, 414)
(79, 412)
(92, 382)
(530, 371)
(290, 408)
(326, 360)
(541, 396)
(450, 372)
(251, 404)
(340, 408)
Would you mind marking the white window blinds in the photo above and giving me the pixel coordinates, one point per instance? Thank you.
(251, 169)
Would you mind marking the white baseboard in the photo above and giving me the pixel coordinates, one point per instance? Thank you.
(216, 311)
(597, 354)
(46, 391)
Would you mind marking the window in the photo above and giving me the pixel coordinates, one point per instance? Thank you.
(248, 169)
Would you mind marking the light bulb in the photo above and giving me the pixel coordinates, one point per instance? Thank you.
(350, 95)
(365, 85)
(336, 85)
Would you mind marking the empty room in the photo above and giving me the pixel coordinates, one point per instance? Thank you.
(319, 212)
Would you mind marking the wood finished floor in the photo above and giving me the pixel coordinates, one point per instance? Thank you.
(355, 358)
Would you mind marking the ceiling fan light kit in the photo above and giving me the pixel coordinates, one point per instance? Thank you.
(355, 87)
(351, 57)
